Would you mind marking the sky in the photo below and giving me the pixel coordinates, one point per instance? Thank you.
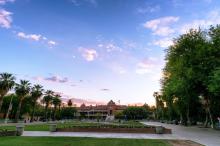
(93, 51)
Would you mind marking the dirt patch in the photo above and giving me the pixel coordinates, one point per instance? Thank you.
(183, 143)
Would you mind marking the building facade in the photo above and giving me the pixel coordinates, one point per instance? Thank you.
(100, 111)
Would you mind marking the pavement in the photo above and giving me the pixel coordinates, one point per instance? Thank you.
(204, 136)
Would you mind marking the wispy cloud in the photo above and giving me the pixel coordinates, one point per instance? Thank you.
(2, 2)
(110, 47)
(5, 18)
(212, 18)
(117, 68)
(75, 2)
(36, 37)
(51, 43)
(81, 2)
(146, 66)
(105, 89)
(79, 101)
(161, 26)
(53, 78)
(88, 54)
(163, 42)
(148, 9)
(57, 79)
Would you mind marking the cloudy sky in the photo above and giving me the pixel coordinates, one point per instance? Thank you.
(96, 50)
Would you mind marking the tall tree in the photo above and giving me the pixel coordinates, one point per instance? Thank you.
(7, 81)
(56, 101)
(192, 67)
(36, 93)
(21, 90)
(47, 99)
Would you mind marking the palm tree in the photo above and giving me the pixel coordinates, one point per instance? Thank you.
(47, 99)
(36, 93)
(21, 90)
(56, 102)
(7, 81)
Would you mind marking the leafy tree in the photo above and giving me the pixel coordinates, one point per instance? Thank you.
(134, 113)
(119, 115)
(22, 90)
(7, 81)
(191, 75)
(214, 84)
(68, 112)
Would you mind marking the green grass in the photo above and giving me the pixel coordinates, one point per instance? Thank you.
(45, 127)
(74, 141)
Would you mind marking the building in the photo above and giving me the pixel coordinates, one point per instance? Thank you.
(101, 111)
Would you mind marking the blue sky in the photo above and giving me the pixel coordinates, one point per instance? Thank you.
(96, 50)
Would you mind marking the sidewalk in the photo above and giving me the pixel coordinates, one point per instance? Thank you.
(100, 135)
(205, 136)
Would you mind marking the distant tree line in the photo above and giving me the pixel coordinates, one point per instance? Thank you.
(136, 113)
(30, 100)
(191, 79)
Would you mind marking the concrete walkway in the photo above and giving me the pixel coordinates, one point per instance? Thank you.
(99, 135)
(203, 136)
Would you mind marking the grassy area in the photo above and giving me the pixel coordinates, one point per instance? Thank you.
(45, 127)
(74, 141)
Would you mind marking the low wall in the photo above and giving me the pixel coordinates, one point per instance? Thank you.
(7, 133)
(150, 130)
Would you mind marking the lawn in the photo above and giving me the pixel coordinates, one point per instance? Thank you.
(45, 127)
(75, 141)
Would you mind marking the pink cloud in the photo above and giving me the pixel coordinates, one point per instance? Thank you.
(54, 78)
(89, 54)
(5, 18)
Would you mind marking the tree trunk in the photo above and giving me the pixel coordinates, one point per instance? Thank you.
(1, 102)
(18, 111)
(33, 112)
(181, 118)
(206, 118)
(188, 116)
(54, 114)
(46, 108)
(210, 116)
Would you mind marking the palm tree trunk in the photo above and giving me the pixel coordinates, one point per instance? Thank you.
(54, 114)
(18, 111)
(45, 114)
(1, 102)
(33, 112)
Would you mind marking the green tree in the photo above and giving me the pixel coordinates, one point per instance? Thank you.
(36, 93)
(7, 81)
(56, 101)
(22, 90)
(214, 84)
(134, 113)
(190, 74)
(68, 112)
(47, 99)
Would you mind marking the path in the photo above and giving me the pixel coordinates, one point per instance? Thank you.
(203, 136)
